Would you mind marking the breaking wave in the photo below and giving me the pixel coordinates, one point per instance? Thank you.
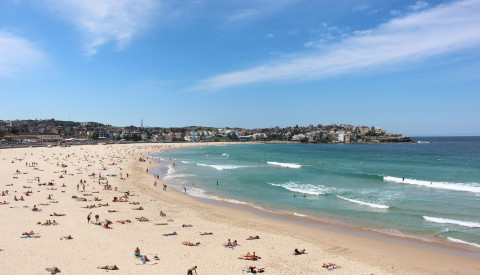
(303, 188)
(374, 205)
(286, 165)
(474, 187)
(463, 242)
(221, 167)
(450, 221)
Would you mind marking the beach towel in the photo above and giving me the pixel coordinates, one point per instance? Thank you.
(144, 261)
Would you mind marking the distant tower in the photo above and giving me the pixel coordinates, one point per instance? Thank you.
(142, 122)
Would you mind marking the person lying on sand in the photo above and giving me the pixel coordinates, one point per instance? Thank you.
(112, 211)
(142, 219)
(206, 233)
(30, 234)
(251, 257)
(190, 243)
(69, 237)
(107, 226)
(297, 252)
(108, 267)
(253, 238)
(57, 215)
(170, 234)
(254, 270)
(53, 270)
(138, 208)
(187, 225)
(330, 266)
(124, 221)
(162, 223)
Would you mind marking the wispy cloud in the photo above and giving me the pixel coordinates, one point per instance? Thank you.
(419, 5)
(414, 37)
(17, 54)
(248, 10)
(103, 21)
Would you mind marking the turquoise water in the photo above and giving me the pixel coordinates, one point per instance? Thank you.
(429, 190)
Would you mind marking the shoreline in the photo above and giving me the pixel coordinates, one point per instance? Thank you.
(93, 245)
(405, 256)
(441, 244)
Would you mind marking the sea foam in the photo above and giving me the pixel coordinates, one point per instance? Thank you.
(221, 167)
(374, 205)
(463, 242)
(286, 165)
(303, 188)
(450, 221)
(474, 187)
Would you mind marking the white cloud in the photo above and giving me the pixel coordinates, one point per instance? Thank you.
(419, 5)
(17, 54)
(270, 35)
(103, 21)
(411, 38)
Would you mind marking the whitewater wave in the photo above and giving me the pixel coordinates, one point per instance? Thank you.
(221, 167)
(186, 162)
(473, 187)
(298, 214)
(450, 221)
(463, 242)
(227, 155)
(286, 165)
(303, 188)
(374, 205)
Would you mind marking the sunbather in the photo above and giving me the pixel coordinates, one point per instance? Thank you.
(53, 270)
(190, 243)
(108, 267)
(170, 234)
(299, 252)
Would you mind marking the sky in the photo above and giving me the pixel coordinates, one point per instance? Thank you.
(407, 66)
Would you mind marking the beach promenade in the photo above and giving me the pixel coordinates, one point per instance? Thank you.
(49, 193)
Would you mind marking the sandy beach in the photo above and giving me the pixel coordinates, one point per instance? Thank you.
(66, 184)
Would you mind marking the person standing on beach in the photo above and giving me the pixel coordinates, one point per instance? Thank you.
(89, 217)
(190, 270)
(185, 188)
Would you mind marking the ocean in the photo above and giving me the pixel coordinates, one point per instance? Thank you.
(429, 191)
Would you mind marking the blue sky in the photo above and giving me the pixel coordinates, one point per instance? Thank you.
(410, 67)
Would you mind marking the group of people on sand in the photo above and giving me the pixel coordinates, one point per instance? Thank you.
(48, 222)
(18, 199)
(231, 244)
